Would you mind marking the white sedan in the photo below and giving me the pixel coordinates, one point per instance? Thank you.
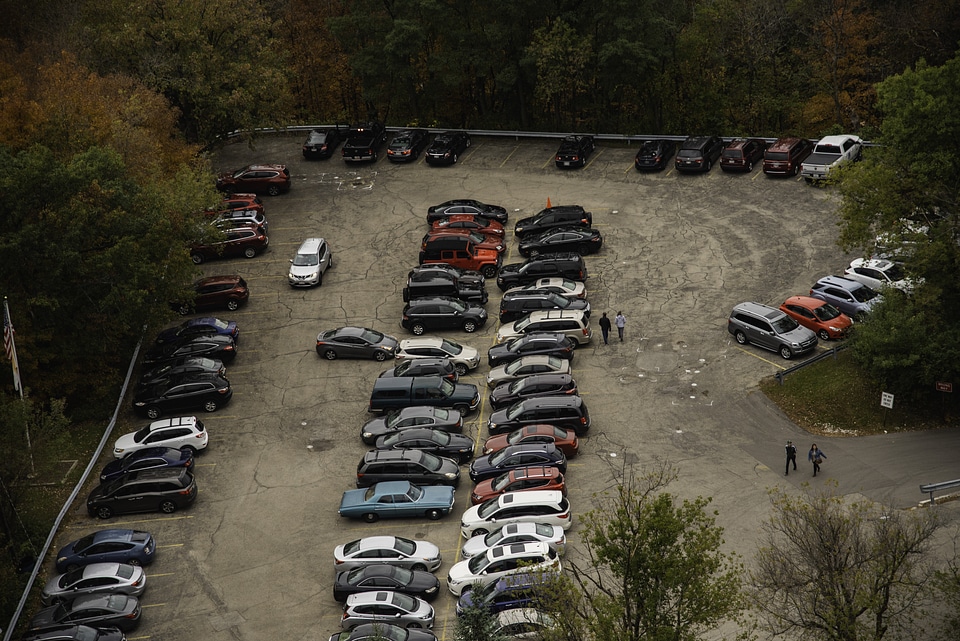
(501, 561)
(563, 286)
(552, 535)
(392, 550)
(527, 366)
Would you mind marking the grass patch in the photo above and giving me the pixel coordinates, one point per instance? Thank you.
(833, 397)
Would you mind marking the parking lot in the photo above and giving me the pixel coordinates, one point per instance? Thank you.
(252, 559)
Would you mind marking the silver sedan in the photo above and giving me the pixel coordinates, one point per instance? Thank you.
(527, 366)
(386, 607)
(97, 578)
(392, 550)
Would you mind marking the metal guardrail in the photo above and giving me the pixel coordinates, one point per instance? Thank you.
(832, 352)
(930, 488)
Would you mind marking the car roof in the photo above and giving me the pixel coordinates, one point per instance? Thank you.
(421, 410)
(210, 280)
(784, 144)
(422, 341)
(378, 541)
(543, 314)
(839, 281)
(881, 264)
(551, 401)
(393, 455)
(393, 487)
(175, 421)
(517, 549)
(536, 358)
(759, 309)
(530, 497)
(805, 301)
(552, 377)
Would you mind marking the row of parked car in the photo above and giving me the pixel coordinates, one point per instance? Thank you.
(515, 525)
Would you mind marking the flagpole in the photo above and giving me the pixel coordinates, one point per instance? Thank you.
(10, 347)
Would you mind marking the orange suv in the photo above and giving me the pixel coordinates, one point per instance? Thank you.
(216, 292)
(783, 158)
(259, 179)
(459, 251)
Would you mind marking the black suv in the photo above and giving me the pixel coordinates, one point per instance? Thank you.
(425, 284)
(166, 490)
(208, 392)
(447, 147)
(424, 367)
(407, 145)
(442, 312)
(698, 153)
(549, 343)
(321, 143)
(520, 303)
(566, 412)
(561, 216)
(565, 265)
(416, 466)
(536, 386)
(574, 151)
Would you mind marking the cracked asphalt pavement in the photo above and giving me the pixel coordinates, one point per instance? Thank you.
(252, 559)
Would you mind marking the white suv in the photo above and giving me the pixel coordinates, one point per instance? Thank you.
(500, 561)
(531, 506)
(183, 432)
(573, 323)
(309, 263)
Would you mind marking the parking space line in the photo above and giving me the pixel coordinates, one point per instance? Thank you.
(206, 464)
(595, 156)
(153, 576)
(152, 605)
(549, 162)
(115, 524)
(171, 545)
(748, 353)
(509, 156)
(146, 636)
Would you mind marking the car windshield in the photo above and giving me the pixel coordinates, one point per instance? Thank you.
(516, 437)
(554, 362)
(404, 601)
(371, 336)
(863, 294)
(776, 155)
(306, 260)
(141, 434)
(477, 563)
(497, 458)
(649, 149)
(500, 482)
(83, 544)
(446, 387)
(476, 237)
(351, 547)
(732, 153)
(826, 312)
(451, 348)
(404, 546)
(440, 438)
(688, 153)
(521, 324)
(414, 493)
(894, 272)
(369, 494)
(784, 324)
(513, 367)
(393, 418)
(494, 537)
(238, 173)
(431, 462)
(70, 578)
(517, 408)
(401, 368)
(85, 633)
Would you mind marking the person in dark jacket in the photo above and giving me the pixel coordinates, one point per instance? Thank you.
(815, 456)
(791, 456)
(605, 327)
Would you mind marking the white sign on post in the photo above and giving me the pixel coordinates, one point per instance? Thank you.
(886, 400)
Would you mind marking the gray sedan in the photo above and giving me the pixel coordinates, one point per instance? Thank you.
(97, 578)
(356, 342)
(391, 607)
(392, 550)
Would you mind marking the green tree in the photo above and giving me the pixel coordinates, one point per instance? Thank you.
(561, 56)
(652, 568)
(837, 572)
(478, 622)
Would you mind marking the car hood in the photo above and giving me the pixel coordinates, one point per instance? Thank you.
(126, 442)
(464, 392)
(481, 465)
(460, 572)
(473, 546)
(352, 498)
(799, 335)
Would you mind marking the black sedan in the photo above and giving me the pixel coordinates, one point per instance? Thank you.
(447, 147)
(181, 367)
(356, 342)
(321, 143)
(455, 446)
(563, 239)
(516, 456)
(96, 610)
(442, 312)
(147, 459)
(208, 392)
(222, 348)
(466, 206)
(574, 151)
(654, 155)
(385, 577)
(507, 394)
(548, 343)
(417, 416)
(199, 327)
(407, 145)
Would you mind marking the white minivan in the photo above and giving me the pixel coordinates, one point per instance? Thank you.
(311, 260)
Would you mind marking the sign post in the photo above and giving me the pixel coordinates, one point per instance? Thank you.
(886, 400)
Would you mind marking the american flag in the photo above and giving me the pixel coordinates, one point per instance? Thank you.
(9, 347)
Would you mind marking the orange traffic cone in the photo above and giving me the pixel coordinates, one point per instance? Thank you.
(548, 202)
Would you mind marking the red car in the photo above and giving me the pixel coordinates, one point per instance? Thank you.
(480, 241)
(241, 201)
(246, 241)
(822, 317)
(741, 154)
(519, 480)
(565, 440)
(260, 179)
(471, 222)
(216, 292)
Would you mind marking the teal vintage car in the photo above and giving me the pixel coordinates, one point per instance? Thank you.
(397, 499)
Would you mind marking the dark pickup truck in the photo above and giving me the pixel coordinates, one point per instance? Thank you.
(364, 142)
(397, 393)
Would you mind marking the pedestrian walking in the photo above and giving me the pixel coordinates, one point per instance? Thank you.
(605, 327)
(816, 456)
(620, 322)
(791, 456)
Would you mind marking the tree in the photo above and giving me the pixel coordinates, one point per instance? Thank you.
(562, 55)
(836, 572)
(477, 622)
(653, 569)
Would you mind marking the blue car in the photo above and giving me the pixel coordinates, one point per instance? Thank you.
(199, 327)
(108, 546)
(510, 592)
(397, 499)
(147, 459)
(516, 456)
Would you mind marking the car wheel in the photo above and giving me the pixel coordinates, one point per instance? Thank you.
(469, 327)
(104, 512)
(480, 532)
(184, 310)
(419, 567)
(489, 271)
(413, 626)
(233, 305)
(824, 335)
(249, 252)
(463, 409)
(330, 355)
(168, 507)
(749, 166)
(741, 337)
(273, 190)
(370, 517)
(210, 406)
(709, 166)
(469, 142)
(319, 279)
(417, 329)
(455, 158)
(153, 412)
(196, 258)
(785, 352)
(434, 515)
(533, 253)
(461, 369)
(380, 356)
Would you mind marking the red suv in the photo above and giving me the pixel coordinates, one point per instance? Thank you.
(244, 241)
(260, 179)
(741, 153)
(783, 158)
(216, 292)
